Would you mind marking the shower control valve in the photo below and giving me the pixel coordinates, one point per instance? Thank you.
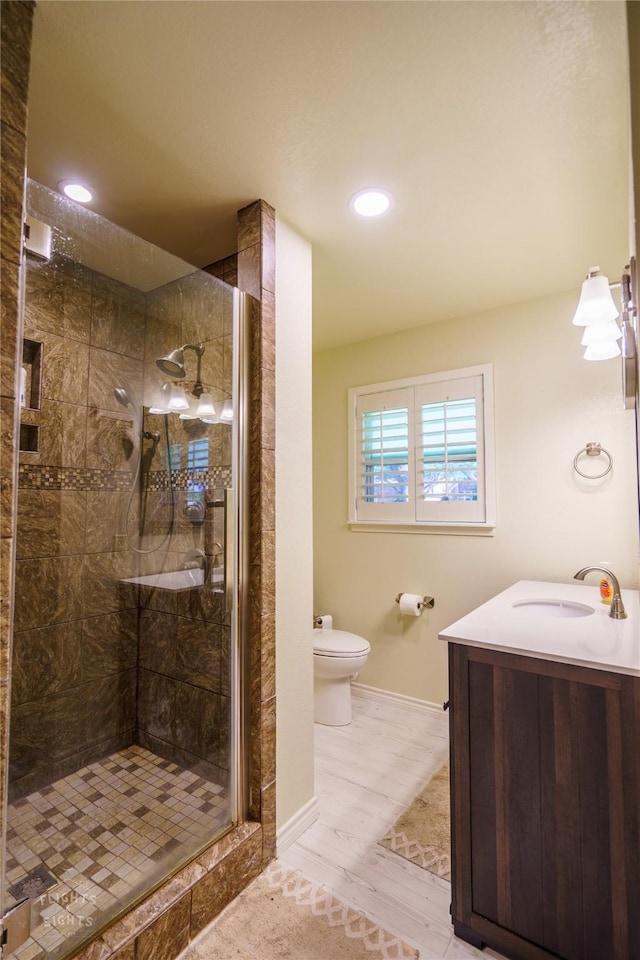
(195, 510)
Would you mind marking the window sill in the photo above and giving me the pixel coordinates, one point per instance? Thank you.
(442, 529)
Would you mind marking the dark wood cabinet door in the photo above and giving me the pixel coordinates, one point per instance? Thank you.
(545, 773)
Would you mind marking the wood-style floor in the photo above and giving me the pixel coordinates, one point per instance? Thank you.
(366, 774)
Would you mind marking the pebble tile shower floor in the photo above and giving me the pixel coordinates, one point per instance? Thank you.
(91, 841)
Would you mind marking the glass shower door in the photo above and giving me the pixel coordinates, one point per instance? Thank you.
(125, 683)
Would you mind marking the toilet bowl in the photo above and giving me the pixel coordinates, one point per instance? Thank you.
(337, 657)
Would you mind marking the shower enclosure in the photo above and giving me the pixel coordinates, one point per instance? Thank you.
(126, 753)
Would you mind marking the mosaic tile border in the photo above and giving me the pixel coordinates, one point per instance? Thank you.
(46, 477)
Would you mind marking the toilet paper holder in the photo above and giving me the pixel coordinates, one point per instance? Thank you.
(428, 602)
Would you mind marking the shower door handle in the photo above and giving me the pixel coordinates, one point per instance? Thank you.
(228, 547)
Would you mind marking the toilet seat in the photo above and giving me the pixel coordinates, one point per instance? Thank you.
(339, 643)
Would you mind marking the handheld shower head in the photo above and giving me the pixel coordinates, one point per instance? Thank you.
(122, 396)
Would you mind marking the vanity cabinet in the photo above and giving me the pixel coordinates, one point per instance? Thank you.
(545, 806)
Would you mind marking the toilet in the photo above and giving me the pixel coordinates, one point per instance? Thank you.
(337, 657)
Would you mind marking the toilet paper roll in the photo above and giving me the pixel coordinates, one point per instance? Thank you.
(326, 621)
(411, 604)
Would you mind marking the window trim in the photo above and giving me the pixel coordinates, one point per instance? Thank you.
(441, 525)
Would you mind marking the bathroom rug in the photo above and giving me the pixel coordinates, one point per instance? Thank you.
(284, 916)
(422, 833)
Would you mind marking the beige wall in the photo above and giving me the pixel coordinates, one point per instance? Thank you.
(294, 532)
(549, 403)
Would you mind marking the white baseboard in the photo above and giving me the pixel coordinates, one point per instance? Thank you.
(296, 825)
(373, 693)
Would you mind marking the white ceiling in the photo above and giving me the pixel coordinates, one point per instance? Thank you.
(500, 127)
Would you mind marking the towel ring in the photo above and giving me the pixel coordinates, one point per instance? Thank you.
(593, 450)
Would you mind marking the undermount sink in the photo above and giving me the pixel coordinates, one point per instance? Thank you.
(554, 608)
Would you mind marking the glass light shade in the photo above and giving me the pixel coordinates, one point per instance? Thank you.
(596, 305)
(159, 399)
(599, 332)
(192, 412)
(227, 411)
(604, 350)
(205, 406)
(177, 398)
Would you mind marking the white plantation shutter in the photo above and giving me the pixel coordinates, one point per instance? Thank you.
(450, 451)
(384, 456)
(421, 450)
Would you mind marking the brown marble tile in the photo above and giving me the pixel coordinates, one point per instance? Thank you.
(65, 367)
(7, 439)
(225, 661)
(249, 270)
(268, 656)
(197, 653)
(126, 953)
(268, 819)
(57, 300)
(169, 935)
(156, 704)
(46, 661)
(102, 590)
(196, 721)
(213, 368)
(13, 152)
(158, 639)
(268, 330)
(112, 441)
(108, 370)
(9, 274)
(225, 881)
(62, 436)
(109, 644)
(50, 523)
(163, 329)
(107, 517)
(203, 603)
(268, 250)
(48, 591)
(99, 950)
(43, 731)
(205, 305)
(16, 26)
(117, 317)
(6, 588)
(108, 707)
(249, 225)
(268, 741)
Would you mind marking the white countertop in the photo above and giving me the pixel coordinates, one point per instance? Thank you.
(595, 640)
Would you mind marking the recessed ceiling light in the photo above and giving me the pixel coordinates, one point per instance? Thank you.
(372, 202)
(76, 191)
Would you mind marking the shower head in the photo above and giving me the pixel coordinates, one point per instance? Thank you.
(122, 396)
(173, 363)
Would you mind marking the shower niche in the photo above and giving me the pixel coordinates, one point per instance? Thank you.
(30, 375)
(124, 750)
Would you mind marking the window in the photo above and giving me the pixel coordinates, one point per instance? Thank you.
(421, 450)
(197, 467)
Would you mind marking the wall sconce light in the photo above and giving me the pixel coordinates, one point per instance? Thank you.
(205, 406)
(597, 313)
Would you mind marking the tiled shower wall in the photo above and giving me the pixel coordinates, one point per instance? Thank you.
(78, 658)
(15, 52)
(163, 924)
(75, 631)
